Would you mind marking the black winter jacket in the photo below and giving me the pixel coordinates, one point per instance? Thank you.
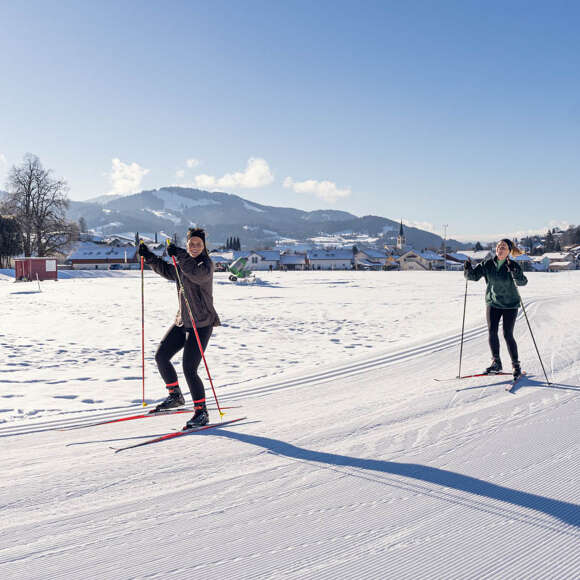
(197, 278)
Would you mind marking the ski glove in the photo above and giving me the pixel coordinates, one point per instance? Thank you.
(511, 266)
(172, 250)
(145, 251)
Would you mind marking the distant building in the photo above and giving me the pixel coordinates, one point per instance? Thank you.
(31, 269)
(264, 260)
(401, 240)
(91, 256)
(330, 259)
(293, 262)
(367, 259)
(426, 260)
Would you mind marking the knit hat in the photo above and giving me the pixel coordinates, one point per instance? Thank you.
(196, 233)
(509, 243)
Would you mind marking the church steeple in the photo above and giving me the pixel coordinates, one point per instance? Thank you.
(401, 241)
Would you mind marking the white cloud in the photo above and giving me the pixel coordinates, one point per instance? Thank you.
(326, 190)
(191, 163)
(257, 174)
(180, 173)
(426, 226)
(126, 178)
(3, 160)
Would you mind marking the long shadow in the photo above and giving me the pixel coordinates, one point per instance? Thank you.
(525, 382)
(568, 513)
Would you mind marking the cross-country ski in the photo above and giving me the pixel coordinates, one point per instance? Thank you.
(175, 434)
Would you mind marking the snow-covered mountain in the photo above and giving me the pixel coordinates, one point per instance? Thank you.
(174, 209)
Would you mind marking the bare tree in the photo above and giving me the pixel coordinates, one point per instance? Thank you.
(39, 202)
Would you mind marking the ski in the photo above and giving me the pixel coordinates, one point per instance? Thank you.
(472, 376)
(513, 383)
(175, 434)
(132, 417)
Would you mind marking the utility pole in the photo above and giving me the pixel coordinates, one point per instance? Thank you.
(445, 247)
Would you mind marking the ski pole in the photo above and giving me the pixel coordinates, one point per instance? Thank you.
(462, 328)
(182, 290)
(143, 326)
(529, 326)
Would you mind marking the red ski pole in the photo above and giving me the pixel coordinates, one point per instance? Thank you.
(182, 290)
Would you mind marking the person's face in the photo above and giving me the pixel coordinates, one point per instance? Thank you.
(502, 251)
(195, 246)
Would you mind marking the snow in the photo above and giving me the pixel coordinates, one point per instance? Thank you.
(165, 215)
(252, 207)
(174, 201)
(352, 463)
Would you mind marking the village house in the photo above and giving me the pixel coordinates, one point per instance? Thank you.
(455, 260)
(330, 259)
(426, 260)
(92, 256)
(293, 261)
(560, 261)
(367, 259)
(263, 260)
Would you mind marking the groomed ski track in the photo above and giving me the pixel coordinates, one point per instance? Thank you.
(368, 470)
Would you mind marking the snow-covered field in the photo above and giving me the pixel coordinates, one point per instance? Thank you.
(352, 462)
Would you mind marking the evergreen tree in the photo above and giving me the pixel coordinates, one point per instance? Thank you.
(549, 242)
(10, 240)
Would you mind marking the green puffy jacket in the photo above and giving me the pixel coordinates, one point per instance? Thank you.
(501, 291)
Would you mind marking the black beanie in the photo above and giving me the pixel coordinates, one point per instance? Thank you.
(509, 243)
(196, 233)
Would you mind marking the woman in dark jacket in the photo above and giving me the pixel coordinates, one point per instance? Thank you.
(502, 300)
(196, 272)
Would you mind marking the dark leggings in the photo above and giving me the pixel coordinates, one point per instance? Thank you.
(177, 338)
(509, 321)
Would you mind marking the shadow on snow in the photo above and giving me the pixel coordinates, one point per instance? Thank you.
(568, 513)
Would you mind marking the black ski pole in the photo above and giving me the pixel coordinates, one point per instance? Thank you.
(529, 326)
(462, 328)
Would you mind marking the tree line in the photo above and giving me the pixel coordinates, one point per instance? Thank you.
(33, 212)
(233, 243)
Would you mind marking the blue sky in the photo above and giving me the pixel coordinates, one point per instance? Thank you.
(458, 113)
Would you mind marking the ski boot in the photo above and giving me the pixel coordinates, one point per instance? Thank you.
(174, 399)
(200, 418)
(517, 371)
(495, 367)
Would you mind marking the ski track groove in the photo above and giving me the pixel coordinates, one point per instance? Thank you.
(350, 369)
(285, 535)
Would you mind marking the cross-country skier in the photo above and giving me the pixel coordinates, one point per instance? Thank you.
(502, 299)
(197, 277)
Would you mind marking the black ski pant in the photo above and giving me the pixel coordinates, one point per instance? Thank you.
(509, 316)
(177, 338)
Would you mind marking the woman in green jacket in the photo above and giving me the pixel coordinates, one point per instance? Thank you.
(502, 299)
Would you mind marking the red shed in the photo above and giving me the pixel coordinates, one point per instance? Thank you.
(30, 268)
